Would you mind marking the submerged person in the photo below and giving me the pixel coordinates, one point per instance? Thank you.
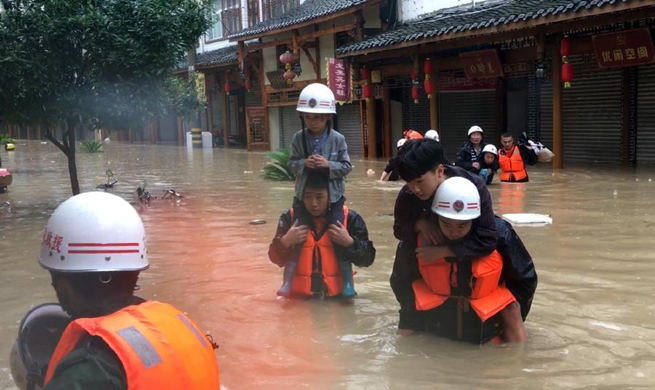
(94, 248)
(514, 158)
(489, 165)
(327, 249)
(464, 299)
(421, 166)
(318, 148)
(390, 172)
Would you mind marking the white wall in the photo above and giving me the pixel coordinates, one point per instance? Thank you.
(411, 9)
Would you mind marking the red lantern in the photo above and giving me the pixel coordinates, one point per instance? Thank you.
(567, 69)
(565, 46)
(567, 74)
(286, 58)
(427, 67)
(289, 75)
(227, 87)
(366, 89)
(413, 74)
(415, 94)
(365, 73)
(248, 85)
(427, 84)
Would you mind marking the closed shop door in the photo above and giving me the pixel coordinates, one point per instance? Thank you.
(350, 125)
(546, 114)
(592, 113)
(458, 111)
(646, 115)
(289, 125)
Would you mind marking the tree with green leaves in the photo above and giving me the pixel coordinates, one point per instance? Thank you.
(89, 64)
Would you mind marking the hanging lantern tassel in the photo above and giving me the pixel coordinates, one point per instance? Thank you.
(565, 48)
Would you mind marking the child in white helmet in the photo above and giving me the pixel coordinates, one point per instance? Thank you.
(390, 172)
(464, 299)
(319, 147)
(489, 164)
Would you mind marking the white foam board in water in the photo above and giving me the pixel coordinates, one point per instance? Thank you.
(528, 219)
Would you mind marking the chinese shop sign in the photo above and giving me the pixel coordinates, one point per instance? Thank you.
(624, 48)
(339, 80)
(481, 64)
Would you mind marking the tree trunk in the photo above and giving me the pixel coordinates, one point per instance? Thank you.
(69, 139)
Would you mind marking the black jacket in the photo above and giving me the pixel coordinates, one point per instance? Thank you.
(408, 210)
(467, 156)
(362, 253)
(519, 272)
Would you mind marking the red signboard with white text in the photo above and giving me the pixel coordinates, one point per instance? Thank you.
(339, 80)
(624, 48)
(482, 64)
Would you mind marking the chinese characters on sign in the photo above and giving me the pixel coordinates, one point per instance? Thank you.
(449, 83)
(624, 48)
(339, 80)
(481, 64)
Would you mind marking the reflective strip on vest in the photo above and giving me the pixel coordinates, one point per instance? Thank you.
(141, 346)
(200, 337)
(153, 344)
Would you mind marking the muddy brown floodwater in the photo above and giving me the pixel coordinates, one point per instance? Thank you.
(592, 323)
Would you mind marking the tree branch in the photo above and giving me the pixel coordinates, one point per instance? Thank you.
(57, 143)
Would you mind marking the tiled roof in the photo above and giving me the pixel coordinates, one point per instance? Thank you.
(224, 55)
(310, 9)
(492, 13)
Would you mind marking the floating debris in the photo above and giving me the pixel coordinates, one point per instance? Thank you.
(258, 222)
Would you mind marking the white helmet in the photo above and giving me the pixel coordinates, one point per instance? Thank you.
(400, 143)
(317, 98)
(475, 129)
(457, 198)
(432, 134)
(94, 232)
(490, 148)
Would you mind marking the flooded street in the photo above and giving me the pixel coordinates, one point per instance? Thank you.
(591, 324)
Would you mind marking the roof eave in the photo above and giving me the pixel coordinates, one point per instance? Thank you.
(306, 23)
(541, 21)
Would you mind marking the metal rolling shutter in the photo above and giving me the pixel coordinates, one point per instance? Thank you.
(349, 124)
(592, 113)
(546, 115)
(458, 111)
(646, 115)
(289, 125)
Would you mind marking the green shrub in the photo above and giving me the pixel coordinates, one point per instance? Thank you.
(6, 139)
(276, 168)
(91, 147)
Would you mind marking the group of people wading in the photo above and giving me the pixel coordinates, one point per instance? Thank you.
(459, 271)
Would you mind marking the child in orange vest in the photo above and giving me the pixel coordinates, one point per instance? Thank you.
(328, 249)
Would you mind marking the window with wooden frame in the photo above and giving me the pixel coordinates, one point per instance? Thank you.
(253, 12)
(226, 18)
(275, 8)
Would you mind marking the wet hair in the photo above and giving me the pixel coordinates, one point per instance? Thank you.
(417, 157)
(506, 135)
(317, 179)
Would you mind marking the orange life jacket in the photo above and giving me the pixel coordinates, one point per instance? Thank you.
(158, 346)
(488, 296)
(512, 164)
(317, 257)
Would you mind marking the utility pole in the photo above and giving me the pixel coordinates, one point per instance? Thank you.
(196, 131)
